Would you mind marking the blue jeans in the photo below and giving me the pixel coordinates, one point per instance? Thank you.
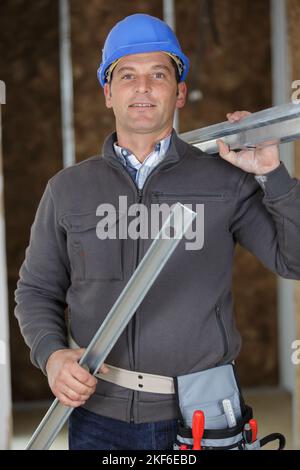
(90, 431)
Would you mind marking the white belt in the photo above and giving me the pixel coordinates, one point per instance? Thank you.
(140, 381)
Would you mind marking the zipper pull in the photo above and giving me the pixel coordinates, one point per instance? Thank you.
(140, 195)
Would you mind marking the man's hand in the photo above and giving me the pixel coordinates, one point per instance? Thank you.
(70, 382)
(259, 161)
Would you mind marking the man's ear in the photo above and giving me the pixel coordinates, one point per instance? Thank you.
(181, 94)
(107, 94)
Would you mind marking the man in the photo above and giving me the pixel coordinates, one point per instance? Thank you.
(185, 324)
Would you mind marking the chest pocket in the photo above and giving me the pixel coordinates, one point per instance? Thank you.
(211, 200)
(212, 215)
(191, 197)
(92, 258)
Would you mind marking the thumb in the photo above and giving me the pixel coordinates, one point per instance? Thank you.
(78, 353)
(225, 152)
(223, 147)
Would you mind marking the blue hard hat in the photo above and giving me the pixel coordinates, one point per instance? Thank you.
(137, 34)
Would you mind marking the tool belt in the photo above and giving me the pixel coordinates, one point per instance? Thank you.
(213, 415)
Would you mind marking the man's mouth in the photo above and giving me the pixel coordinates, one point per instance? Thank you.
(141, 105)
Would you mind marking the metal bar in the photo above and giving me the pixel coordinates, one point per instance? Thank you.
(119, 316)
(169, 16)
(278, 124)
(5, 387)
(281, 92)
(66, 84)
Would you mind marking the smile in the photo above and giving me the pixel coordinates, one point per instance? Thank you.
(142, 105)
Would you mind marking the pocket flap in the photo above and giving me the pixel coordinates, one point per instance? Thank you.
(79, 222)
(84, 221)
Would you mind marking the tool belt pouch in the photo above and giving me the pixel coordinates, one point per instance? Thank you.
(206, 391)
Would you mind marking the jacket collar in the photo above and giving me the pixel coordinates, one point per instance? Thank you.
(175, 152)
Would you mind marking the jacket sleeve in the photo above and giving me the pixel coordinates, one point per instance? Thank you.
(267, 221)
(44, 278)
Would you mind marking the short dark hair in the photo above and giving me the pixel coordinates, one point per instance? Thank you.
(174, 65)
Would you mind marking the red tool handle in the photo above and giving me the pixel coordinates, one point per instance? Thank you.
(184, 447)
(253, 425)
(198, 428)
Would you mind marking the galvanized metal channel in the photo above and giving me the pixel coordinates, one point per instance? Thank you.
(279, 124)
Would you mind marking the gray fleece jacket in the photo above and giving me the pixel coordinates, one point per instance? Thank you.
(185, 323)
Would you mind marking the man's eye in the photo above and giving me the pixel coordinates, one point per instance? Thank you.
(159, 74)
(127, 75)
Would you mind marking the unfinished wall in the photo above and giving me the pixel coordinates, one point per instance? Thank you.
(29, 65)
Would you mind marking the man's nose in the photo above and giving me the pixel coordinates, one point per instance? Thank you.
(143, 84)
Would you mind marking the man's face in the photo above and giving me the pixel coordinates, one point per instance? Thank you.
(147, 79)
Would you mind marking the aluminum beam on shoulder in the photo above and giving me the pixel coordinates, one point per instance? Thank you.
(279, 124)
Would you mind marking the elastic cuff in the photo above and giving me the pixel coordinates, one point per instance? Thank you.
(47, 345)
(278, 182)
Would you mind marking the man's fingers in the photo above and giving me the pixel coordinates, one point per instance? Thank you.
(70, 382)
(237, 115)
(79, 387)
(78, 353)
(80, 373)
(225, 152)
(83, 375)
(103, 369)
(68, 402)
(223, 148)
(74, 396)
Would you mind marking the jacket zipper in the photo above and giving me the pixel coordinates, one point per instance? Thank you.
(139, 193)
(140, 197)
(139, 200)
(162, 195)
(222, 329)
